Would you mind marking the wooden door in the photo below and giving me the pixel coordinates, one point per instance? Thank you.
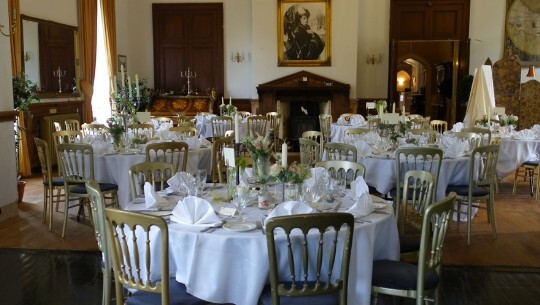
(188, 36)
(56, 53)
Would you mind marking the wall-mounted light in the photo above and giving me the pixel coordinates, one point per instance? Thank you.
(372, 59)
(531, 72)
(237, 57)
(11, 26)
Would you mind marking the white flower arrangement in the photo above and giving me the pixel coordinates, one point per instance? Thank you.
(507, 120)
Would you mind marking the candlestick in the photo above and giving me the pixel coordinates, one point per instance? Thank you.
(137, 86)
(59, 73)
(230, 100)
(403, 109)
(189, 75)
(222, 101)
(129, 88)
(284, 155)
(393, 107)
(122, 76)
(115, 87)
(236, 128)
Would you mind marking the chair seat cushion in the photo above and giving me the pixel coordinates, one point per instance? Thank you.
(104, 187)
(56, 181)
(463, 190)
(400, 275)
(408, 245)
(177, 296)
(324, 299)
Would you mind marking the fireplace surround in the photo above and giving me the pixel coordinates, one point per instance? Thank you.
(314, 93)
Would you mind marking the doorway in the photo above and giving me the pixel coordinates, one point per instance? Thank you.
(424, 76)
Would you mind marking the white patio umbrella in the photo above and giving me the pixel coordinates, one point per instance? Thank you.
(482, 97)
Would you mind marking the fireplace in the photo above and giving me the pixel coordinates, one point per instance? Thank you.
(316, 94)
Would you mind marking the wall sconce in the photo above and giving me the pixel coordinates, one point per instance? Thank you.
(10, 26)
(531, 72)
(373, 59)
(237, 57)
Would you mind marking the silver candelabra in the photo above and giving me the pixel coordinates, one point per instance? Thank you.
(189, 75)
(59, 73)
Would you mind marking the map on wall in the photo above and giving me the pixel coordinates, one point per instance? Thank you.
(523, 30)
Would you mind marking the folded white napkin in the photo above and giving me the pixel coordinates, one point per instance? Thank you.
(342, 121)
(181, 181)
(457, 127)
(151, 199)
(363, 148)
(245, 175)
(167, 135)
(195, 211)
(362, 206)
(318, 175)
(289, 208)
(457, 149)
(525, 134)
(358, 120)
(193, 142)
(536, 129)
(165, 126)
(358, 187)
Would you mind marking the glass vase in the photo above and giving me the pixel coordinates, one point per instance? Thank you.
(118, 141)
(263, 168)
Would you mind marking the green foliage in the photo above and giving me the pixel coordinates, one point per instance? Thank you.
(23, 92)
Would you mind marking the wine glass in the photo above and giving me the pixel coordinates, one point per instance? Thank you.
(200, 178)
(242, 198)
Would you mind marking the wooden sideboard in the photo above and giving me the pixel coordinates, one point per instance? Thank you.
(33, 121)
(173, 105)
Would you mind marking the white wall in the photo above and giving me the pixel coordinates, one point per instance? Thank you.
(8, 180)
(62, 11)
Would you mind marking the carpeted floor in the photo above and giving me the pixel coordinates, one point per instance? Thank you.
(45, 277)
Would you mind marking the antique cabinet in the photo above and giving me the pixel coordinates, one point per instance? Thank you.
(173, 105)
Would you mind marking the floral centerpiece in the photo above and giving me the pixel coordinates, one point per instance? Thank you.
(294, 173)
(133, 96)
(260, 149)
(380, 106)
(508, 120)
(230, 110)
(116, 129)
(292, 178)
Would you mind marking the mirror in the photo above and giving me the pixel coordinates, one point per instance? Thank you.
(50, 57)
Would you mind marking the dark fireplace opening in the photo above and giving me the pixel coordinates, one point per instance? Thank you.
(304, 116)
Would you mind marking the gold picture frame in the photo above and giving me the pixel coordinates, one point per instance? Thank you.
(520, 38)
(304, 33)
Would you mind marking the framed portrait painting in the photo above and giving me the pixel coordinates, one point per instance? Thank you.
(522, 36)
(304, 33)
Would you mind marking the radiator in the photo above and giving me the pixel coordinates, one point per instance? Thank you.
(46, 130)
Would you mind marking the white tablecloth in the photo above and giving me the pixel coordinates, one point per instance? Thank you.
(114, 168)
(337, 132)
(205, 129)
(381, 173)
(512, 153)
(232, 267)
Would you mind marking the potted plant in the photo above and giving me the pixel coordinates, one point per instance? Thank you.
(23, 95)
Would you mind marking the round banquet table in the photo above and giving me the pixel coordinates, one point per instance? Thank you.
(513, 152)
(232, 267)
(337, 131)
(113, 168)
(381, 173)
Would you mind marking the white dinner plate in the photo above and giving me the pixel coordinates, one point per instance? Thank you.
(240, 226)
